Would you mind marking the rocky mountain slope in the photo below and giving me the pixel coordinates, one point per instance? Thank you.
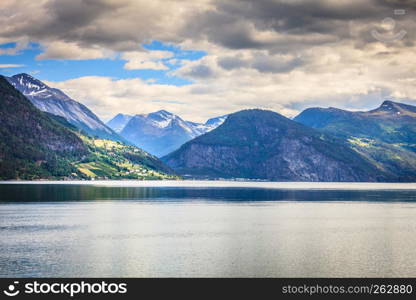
(58, 103)
(261, 144)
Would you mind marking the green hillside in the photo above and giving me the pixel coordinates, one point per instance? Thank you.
(392, 123)
(37, 145)
(386, 136)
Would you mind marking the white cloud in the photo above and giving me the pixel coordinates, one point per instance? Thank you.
(20, 45)
(4, 66)
(64, 50)
(337, 75)
(281, 55)
(146, 59)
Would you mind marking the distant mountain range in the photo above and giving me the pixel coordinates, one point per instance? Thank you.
(46, 134)
(118, 122)
(260, 144)
(160, 132)
(392, 122)
(36, 144)
(56, 102)
(319, 145)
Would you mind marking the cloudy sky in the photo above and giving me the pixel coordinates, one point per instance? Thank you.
(205, 58)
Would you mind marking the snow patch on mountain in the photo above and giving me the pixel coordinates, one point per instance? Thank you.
(161, 132)
(56, 102)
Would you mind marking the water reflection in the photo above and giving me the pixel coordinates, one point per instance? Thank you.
(58, 193)
(67, 231)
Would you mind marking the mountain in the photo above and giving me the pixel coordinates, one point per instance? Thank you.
(392, 123)
(214, 122)
(58, 103)
(119, 122)
(260, 144)
(39, 145)
(32, 145)
(386, 136)
(162, 132)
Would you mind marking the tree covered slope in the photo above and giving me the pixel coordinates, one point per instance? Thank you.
(262, 144)
(386, 135)
(38, 145)
(392, 122)
(32, 145)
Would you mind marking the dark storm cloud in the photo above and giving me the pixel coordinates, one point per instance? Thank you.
(273, 25)
(119, 25)
(234, 24)
(231, 63)
(264, 65)
(59, 19)
(74, 21)
(260, 62)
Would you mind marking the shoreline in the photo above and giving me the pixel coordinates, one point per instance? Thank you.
(227, 184)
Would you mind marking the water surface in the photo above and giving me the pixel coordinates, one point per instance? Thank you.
(197, 229)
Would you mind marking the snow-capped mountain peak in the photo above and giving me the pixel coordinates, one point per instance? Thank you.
(162, 118)
(161, 132)
(56, 102)
(34, 88)
(118, 122)
(164, 113)
(28, 84)
(215, 122)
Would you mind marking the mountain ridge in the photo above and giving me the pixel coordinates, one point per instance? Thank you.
(40, 145)
(32, 145)
(392, 122)
(119, 121)
(261, 144)
(161, 132)
(58, 103)
(320, 144)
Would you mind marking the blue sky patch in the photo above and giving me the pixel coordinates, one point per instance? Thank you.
(63, 69)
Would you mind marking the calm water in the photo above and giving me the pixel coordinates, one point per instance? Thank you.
(207, 229)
